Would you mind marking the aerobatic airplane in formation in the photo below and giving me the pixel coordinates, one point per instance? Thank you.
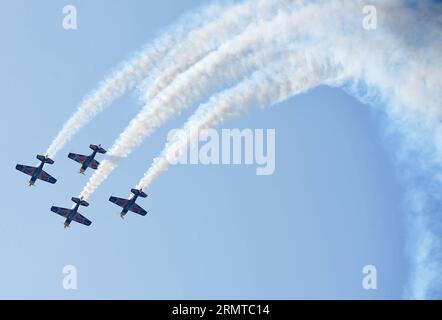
(37, 172)
(129, 204)
(73, 214)
(88, 161)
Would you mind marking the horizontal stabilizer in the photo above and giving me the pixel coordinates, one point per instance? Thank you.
(139, 193)
(98, 148)
(80, 202)
(45, 159)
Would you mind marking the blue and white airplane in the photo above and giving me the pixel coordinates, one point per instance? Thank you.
(73, 214)
(37, 172)
(88, 161)
(129, 204)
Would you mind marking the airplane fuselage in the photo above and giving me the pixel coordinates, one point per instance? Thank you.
(36, 174)
(88, 161)
(71, 215)
(129, 205)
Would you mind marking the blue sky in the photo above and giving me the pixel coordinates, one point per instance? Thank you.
(333, 205)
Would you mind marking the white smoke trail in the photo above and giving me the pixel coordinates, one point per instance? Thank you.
(193, 28)
(122, 79)
(201, 41)
(280, 80)
(190, 85)
(400, 67)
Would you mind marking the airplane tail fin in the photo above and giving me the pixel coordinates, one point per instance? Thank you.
(45, 159)
(98, 148)
(81, 202)
(139, 193)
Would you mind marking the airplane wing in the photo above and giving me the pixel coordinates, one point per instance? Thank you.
(61, 211)
(119, 201)
(26, 169)
(46, 177)
(94, 164)
(77, 157)
(83, 220)
(137, 209)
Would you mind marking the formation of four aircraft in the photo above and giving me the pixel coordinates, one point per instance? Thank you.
(86, 162)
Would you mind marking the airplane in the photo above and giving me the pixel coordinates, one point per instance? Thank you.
(88, 161)
(37, 172)
(73, 214)
(129, 204)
